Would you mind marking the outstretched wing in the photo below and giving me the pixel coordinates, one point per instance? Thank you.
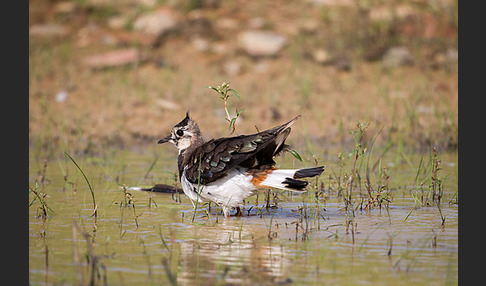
(216, 157)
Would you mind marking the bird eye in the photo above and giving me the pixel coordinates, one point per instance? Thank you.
(179, 132)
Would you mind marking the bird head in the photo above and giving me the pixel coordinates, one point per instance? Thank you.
(184, 134)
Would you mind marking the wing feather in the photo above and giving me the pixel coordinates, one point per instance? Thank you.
(215, 158)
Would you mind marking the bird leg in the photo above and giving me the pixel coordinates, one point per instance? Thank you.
(238, 212)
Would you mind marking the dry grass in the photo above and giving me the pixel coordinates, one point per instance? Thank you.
(415, 105)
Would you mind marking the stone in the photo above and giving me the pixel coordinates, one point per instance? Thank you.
(387, 14)
(227, 24)
(321, 56)
(334, 3)
(65, 7)
(397, 56)
(156, 23)
(200, 44)
(309, 25)
(117, 22)
(256, 23)
(221, 48)
(114, 58)
(447, 59)
(48, 30)
(61, 96)
(167, 104)
(261, 43)
(232, 68)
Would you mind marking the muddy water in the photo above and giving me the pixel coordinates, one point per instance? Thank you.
(143, 238)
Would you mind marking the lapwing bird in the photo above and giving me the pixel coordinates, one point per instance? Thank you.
(228, 170)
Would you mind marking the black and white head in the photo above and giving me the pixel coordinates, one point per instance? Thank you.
(184, 134)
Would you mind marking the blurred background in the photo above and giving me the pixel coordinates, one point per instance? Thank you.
(120, 74)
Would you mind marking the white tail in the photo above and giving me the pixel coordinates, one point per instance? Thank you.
(287, 179)
(280, 179)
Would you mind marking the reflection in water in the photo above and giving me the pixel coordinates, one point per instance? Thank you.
(230, 252)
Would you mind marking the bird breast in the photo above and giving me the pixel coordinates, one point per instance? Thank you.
(229, 191)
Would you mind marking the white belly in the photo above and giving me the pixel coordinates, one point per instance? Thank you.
(229, 191)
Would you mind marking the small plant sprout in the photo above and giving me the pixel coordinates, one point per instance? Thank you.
(224, 92)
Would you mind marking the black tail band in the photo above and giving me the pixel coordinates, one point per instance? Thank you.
(295, 184)
(309, 172)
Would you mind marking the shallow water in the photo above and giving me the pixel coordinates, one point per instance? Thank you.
(141, 238)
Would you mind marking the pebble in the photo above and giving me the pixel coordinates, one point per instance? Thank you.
(321, 56)
(233, 68)
(48, 30)
(261, 43)
(113, 58)
(227, 24)
(335, 3)
(61, 96)
(156, 23)
(397, 56)
(167, 104)
(117, 22)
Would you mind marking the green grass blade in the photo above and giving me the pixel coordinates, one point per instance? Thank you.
(87, 181)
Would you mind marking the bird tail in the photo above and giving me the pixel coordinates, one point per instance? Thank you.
(288, 179)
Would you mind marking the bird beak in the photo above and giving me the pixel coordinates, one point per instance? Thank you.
(164, 140)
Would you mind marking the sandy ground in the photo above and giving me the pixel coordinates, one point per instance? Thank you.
(85, 109)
